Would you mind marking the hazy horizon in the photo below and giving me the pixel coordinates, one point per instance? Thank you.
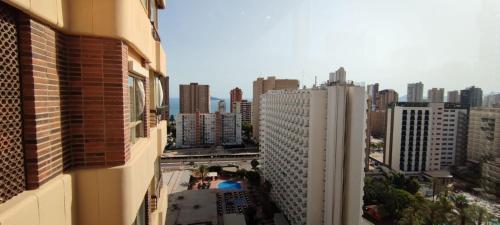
(230, 43)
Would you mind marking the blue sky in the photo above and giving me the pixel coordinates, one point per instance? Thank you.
(228, 43)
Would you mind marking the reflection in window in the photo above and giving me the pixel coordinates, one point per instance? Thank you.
(137, 100)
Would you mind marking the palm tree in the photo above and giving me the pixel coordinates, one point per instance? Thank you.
(417, 213)
(461, 203)
(440, 211)
(201, 171)
(478, 214)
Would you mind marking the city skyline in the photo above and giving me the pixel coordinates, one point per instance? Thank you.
(263, 39)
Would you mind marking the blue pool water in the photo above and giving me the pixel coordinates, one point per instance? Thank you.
(229, 185)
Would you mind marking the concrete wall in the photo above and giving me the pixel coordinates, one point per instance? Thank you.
(105, 196)
(336, 119)
(316, 157)
(354, 163)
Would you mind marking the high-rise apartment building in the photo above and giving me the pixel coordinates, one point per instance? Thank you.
(261, 86)
(425, 136)
(221, 106)
(492, 100)
(82, 111)
(243, 107)
(415, 92)
(312, 150)
(454, 135)
(236, 96)
(194, 98)
(385, 98)
(472, 97)
(377, 123)
(453, 97)
(408, 137)
(201, 129)
(373, 92)
(435, 95)
(230, 128)
(484, 145)
(484, 129)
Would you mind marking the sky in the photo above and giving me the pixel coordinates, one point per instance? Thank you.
(449, 44)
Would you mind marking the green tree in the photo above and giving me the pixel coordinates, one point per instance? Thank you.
(374, 191)
(254, 163)
(247, 129)
(253, 178)
(412, 186)
(478, 215)
(201, 171)
(461, 204)
(440, 211)
(399, 180)
(416, 213)
(395, 201)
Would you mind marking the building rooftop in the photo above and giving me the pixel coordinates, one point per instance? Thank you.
(410, 104)
(439, 174)
(192, 207)
(234, 219)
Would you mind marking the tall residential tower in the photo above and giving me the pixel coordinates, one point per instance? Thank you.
(236, 96)
(453, 97)
(435, 95)
(312, 145)
(415, 92)
(471, 97)
(194, 98)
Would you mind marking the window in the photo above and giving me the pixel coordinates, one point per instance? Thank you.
(137, 99)
(159, 100)
(157, 174)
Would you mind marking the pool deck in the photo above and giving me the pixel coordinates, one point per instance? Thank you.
(215, 183)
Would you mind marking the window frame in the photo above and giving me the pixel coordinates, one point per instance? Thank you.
(136, 127)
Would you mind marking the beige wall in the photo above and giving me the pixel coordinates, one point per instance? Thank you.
(122, 19)
(51, 204)
(105, 196)
(261, 86)
(316, 158)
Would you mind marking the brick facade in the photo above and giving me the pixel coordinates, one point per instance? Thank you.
(75, 101)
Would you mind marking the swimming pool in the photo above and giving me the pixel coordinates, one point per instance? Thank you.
(229, 185)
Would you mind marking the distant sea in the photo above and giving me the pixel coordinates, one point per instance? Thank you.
(174, 105)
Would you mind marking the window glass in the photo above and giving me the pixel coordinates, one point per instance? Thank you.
(137, 99)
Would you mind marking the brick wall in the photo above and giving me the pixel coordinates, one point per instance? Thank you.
(75, 101)
(45, 129)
